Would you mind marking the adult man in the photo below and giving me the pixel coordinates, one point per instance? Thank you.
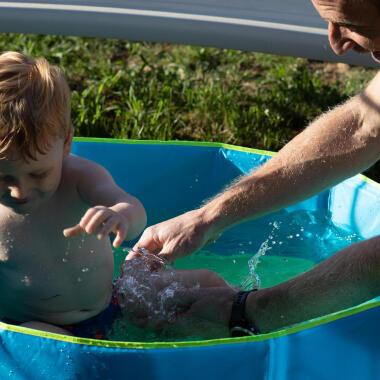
(339, 144)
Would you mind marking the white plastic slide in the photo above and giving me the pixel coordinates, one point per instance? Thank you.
(284, 27)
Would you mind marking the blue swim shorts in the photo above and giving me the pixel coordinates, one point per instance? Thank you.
(96, 327)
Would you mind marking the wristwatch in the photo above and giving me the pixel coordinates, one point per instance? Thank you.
(239, 325)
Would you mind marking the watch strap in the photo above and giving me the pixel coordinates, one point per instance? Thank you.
(239, 325)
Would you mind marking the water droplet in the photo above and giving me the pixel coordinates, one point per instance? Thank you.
(84, 270)
(79, 279)
(65, 260)
(92, 251)
(234, 261)
(26, 280)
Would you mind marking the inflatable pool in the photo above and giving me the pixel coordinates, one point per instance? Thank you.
(170, 178)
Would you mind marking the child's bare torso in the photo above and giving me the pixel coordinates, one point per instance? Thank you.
(45, 276)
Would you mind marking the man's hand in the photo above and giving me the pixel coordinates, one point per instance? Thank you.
(200, 313)
(208, 313)
(101, 220)
(175, 238)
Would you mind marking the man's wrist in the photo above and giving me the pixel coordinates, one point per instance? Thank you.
(239, 324)
(217, 215)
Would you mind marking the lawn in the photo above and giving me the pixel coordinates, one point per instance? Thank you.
(124, 89)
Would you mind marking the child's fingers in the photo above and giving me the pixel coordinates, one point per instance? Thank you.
(98, 219)
(73, 231)
(121, 230)
(86, 218)
(105, 227)
(113, 224)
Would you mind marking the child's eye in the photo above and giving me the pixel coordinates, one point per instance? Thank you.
(6, 178)
(38, 175)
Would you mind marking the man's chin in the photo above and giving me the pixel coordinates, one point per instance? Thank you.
(376, 56)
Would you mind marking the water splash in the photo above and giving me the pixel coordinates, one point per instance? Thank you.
(148, 290)
(253, 280)
(301, 234)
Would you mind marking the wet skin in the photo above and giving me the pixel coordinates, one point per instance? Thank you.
(43, 275)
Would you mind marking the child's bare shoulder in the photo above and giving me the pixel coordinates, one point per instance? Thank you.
(78, 167)
(84, 175)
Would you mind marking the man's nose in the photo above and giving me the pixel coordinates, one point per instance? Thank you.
(339, 38)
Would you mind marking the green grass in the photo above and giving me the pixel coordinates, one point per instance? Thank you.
(133, 90)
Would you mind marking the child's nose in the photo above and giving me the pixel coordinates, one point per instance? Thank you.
(339, 38)
(19, 191)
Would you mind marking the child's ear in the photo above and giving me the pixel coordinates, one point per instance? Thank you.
(67, 143)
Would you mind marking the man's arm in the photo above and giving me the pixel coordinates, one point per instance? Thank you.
(112, 209)
(346, 279)
(341, 143)
(336, 146)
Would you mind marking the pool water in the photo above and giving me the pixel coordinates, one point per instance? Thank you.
(247, 255)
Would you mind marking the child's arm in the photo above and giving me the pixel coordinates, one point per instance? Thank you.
(113, 210)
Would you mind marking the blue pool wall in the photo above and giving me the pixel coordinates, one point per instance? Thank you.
(171, 179)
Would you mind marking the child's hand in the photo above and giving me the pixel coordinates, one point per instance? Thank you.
(101, 220)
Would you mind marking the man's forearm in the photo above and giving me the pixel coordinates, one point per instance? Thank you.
(348, 278)
(340, 144)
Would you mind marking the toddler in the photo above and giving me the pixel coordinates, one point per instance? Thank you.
(56, 209)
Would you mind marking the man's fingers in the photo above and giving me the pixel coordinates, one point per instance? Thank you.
(148, 242)
(132, 254)
(167, 256)
(171, 252)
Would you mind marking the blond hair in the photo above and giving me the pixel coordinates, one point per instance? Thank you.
(34, 105)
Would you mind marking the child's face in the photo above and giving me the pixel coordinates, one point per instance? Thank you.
(26, 185)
